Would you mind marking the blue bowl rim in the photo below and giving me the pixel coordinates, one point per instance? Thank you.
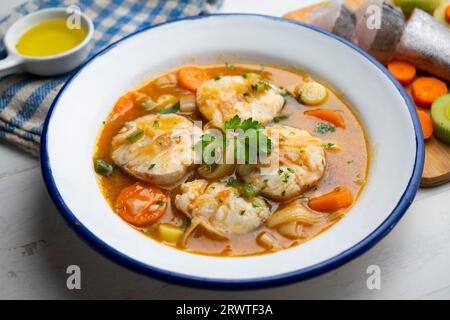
(263, 282)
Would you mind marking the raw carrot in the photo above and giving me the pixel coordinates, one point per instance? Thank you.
(447, 13)
(426, 123)
(327, 115)
(404, 72)
(141, 204)
(192, 77)
(339, 198)
(427, 89)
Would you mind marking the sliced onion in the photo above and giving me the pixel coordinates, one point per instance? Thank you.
(292, 230)
(268, 241)
(194, 224)
(294, 212)
(201, 222)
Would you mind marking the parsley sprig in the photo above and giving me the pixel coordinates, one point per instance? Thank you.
(209, 143)
(246, 190)
(243, 144)
(236, 123)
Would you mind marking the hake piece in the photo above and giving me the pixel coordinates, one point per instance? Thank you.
(335, 17)
(379, 41)
(246, 96)
(221, 208)
(155, 148)
(426, 44)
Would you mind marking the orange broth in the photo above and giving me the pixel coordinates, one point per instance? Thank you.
(346, 167)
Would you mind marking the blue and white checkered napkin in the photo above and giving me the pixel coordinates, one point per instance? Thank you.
(25, 99)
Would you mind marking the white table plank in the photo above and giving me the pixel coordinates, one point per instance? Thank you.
(36, 246)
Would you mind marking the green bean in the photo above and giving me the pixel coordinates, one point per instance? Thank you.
(103, 167)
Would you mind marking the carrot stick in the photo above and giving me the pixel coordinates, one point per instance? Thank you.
(192, 77)
(404, 72)
(327, 115)
(427, 89)
(426, 123)
(337, 199)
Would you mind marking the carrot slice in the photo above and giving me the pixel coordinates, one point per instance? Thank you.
(124, 104)
(404, 72)
(127, 102)
(339, 198)
(447, 13)
(141, 204)
(427, 89)
(327, 115)
(426, 123)
(192, 77)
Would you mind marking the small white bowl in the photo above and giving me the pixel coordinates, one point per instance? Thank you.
(49, 65)
(386, 112)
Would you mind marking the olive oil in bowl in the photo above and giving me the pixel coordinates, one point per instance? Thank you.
(49, 38)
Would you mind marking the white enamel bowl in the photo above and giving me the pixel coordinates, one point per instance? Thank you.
(74, 121)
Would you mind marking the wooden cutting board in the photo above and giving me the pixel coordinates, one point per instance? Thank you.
(437, 154)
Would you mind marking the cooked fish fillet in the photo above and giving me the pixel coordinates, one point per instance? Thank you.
(221, 99)
(155, 148)
(301, 164)
(221, 207)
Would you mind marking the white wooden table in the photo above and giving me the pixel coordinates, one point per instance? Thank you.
(36, 246)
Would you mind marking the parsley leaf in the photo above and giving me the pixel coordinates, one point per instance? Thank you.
(243, 142)
(323, 128)
(236, 123)
(232, 123)
(248, 124)
(247, 190)
(260, 87)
